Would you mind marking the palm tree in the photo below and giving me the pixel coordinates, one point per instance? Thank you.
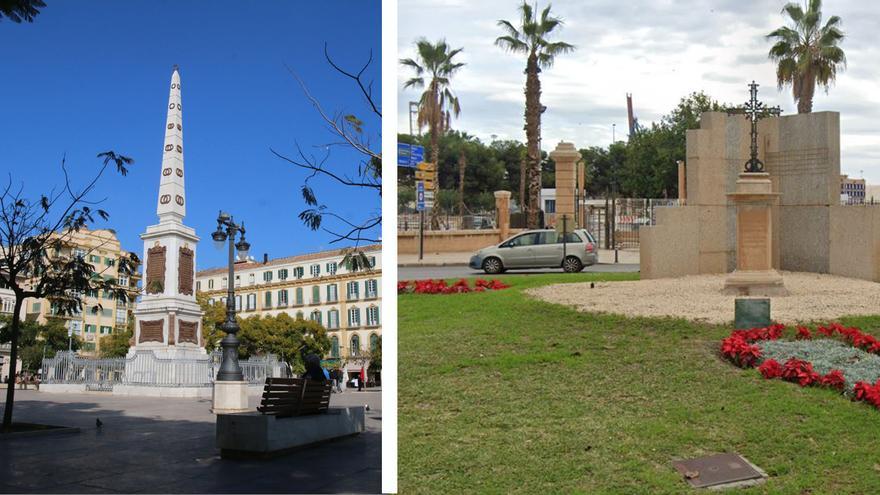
(438, 103)
(807, 53)
(532, 38)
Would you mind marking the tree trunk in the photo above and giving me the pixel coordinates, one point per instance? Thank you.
(13, 356)
(533, 141)
(436, 131)
(808, 90)
(462, 163)
(523, 202)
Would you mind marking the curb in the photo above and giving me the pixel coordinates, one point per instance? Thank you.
(417, 264)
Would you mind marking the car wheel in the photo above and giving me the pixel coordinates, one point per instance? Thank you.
(492, 266)
(572, 264)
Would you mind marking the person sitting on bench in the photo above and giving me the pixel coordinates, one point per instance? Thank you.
(313, 369)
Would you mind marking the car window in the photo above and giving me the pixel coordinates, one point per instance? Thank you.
(571, 237)
(549, 237)
(525, 240)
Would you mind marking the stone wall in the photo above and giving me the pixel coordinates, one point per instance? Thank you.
(814, 234)
(450, 241)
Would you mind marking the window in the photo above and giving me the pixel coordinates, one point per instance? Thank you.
(106, 330)
(238, 280)
(332, 319)
(238, 303)
(267, 276)
(316, 294)
(198, 286)
(252, 279)
(35, 308)
(109, 261)
(109, 295)
(90, 329)
(79, 253)
(354, 317)
(282, 297)
(268, 301)
(549, 206)
(8, 305)
(94, 259)
(120, 316)
(355, 345)
(282, 274)
(223, 283)
(251, 302)
(299, 315)
(315, 270)
(374, 342)
(316, 316)
(352, 290)
(299, 296)
(372, 262)
(370, 287)
(92, 293)
(524, 240)
(298, 272)
(331, 293)
(373, 316)
(334, 347)
(210, 283)
(331, 268)
(106, 312)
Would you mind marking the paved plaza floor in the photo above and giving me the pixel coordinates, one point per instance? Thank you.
(159, 445)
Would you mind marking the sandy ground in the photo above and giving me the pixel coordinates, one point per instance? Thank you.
(812, 297)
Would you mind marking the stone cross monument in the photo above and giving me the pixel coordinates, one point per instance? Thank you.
(167, 317)
(754, 199)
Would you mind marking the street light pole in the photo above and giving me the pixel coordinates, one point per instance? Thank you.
(230, 369)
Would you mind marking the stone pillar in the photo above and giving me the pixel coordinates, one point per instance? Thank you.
(682, 182)
(566, 156)
(502, 212)
(754, 274)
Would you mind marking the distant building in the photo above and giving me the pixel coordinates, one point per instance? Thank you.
(316, 286)
(7, 305)
(102, 314)
(852, 191)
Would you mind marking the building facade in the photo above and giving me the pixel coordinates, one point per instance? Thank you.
(102, 314)
(7, 305)
(314, 286)
(852, 191)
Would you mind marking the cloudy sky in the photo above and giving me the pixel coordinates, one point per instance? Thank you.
(658, 50)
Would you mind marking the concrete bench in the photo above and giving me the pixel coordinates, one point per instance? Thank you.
(252, 434)
(293, 412)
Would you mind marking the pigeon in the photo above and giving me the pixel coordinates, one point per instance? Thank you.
(367, 407)
(98, 422)
(592, 285)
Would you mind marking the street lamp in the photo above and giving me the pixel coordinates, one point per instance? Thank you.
(230, 370)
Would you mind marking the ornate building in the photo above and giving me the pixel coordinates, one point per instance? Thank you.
(315, 286)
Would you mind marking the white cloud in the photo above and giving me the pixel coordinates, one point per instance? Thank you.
(659, 51)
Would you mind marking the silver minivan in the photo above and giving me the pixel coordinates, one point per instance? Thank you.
(539, 249)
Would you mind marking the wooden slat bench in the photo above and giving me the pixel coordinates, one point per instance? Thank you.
(284, 397)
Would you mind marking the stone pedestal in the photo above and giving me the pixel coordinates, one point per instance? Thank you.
(230, 397)
(502, 210)
(566, 157)
(754, 274)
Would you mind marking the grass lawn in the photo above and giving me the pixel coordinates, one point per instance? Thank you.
(500, 393)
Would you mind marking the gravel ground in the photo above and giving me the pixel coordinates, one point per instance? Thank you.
(811, 296)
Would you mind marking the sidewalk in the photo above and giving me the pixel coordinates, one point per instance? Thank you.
(629, 256)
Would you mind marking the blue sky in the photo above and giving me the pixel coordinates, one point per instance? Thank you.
(92, 76)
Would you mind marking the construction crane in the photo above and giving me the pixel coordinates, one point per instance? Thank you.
(633, 121)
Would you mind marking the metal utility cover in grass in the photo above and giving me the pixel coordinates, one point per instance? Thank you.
(751, 313)
(718, 470)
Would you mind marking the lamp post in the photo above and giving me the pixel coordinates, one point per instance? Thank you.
(230, 370)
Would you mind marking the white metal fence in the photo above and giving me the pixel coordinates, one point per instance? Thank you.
(144, 368)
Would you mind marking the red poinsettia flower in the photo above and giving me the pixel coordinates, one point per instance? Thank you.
(402, 286)
(827, 331)
(833, 379)
(770, 369)
(803, 333)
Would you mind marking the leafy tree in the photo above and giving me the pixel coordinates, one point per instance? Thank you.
(117, 343)
(213, 315)
(35, 261)
(19, 11)
(532, 37)
(438, 103)
(290, 338)
(807, 52)
(376, 358)
(37, 341)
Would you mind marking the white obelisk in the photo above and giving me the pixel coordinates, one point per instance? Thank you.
(167, 317)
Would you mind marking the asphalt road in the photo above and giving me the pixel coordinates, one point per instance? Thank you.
(462, 271)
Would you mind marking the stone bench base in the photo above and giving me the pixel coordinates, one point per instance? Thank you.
(252, 434)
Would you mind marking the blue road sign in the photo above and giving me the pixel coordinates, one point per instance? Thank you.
(420, 196)
(408, 155)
